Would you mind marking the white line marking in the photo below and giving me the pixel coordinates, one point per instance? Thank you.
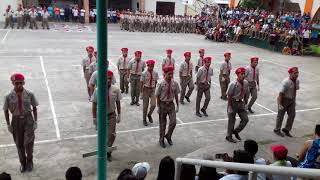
(50, 100)
(37, 142)
(264, 107)
(5, 37)
(180, 121)
(112, 64)
(76, 65)
(306, 110)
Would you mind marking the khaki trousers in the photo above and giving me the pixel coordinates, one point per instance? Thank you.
(166, 108)
(238, 107)
(135, 85)
(112, 121)
(148, 95)
(124, 84)
(203, 88)
(186, 81)
(253, 92)
(224, 83)
(289, 107)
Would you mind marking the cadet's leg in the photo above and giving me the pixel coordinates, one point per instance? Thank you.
(172, 118)
(152, 103)
(243, 122)
(199, 97)
(207, 100)
(18, 137)
(254, 96)
(122, 81)
(280, 117)
(111, 129)
(138, 86)
(183, 89)
(133, 88)
(231, 122)
(162, 121)
(29, 137)
(191, 88)
(291, 115)
(145, 99)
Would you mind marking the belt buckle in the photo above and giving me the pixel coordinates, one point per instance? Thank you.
(21, 116)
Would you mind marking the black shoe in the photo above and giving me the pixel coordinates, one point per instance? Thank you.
(181, 102)
(126, 91)
(137, 103)
(286, 132)
(30, 166)
(250, 110)
(162, 144)
(145, 123)
(278, 132)
(150, 118)
(198, 114)
(169, 140)
(237, 136)
(23, 168)
(204, 112)
(187, 98)
(109, 157)
(229, 139)
(223, 98)
(122, 91)
(132, 103)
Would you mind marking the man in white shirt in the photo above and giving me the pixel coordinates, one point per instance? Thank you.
(82, 14)
(251, 146)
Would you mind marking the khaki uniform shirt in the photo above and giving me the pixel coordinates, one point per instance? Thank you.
(114, 96)
(11, 102)
(184, 68)
(202, 74)
(146, 77)
(94, 77)
(123, 62)
(87, 61)
(224, 68)
(133, 66)
(200, 62)
(249, 74)
(33, 14)
(92, 67)
(162, 89)
(288, 89)
(236, 91)
(168, 62)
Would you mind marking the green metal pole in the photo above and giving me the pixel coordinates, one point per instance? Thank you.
(102, 88)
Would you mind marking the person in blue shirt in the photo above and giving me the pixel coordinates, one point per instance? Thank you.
(50, 11)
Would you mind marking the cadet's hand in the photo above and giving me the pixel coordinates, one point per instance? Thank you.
(128, 79)
(177, 109)
(230, 110)
(246, 107)
(35, 125)
(118, 118)
(280, 107)
(258, 88)
(10, 128)
(158, 110)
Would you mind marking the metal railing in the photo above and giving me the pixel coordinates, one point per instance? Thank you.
(253, 169)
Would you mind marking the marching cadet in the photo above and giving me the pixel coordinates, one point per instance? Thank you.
(252, 76)
(185, 74)
(19, 15)
(204, 83)
(114, 97)
(136, 67)
(85, 65)
(122, 65)
(149, 79)
(287, 102)
(169, 60)
(200, 59)
(237, 92)
(33, 15)
(224, 76)
(8, 17)
(45, 16)
(167, 91)
(22, 105)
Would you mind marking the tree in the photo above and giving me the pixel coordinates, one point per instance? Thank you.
(252, 4)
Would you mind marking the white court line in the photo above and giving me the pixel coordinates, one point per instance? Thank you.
(264, 107)
(5, 37)
(50, 100)
(112, 64)
(180, 121)
(156, 127)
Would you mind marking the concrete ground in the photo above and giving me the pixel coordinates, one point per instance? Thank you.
(51, 62)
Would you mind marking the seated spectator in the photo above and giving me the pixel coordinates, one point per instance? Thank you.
(166, 169)
(5, 176)
(280, 159)
(140, 170)
(124, 174)
(240, 156)
(208, 173)
(251, 147)
(73, 173)
(188, 172)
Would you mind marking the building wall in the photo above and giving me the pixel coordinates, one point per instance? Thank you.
(302, 3)
(316, 6)
(4, 4)
(150, 5)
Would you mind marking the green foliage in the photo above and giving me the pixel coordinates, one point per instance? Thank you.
(252, 4)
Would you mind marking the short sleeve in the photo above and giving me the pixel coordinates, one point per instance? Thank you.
(94, 96)
(284, 86)
(230, 89)
(181, 67)
(34, 101)
(158, 89)
(178, 88)
(199, 74)
(142, 78)
(83, 62)
(157, 76)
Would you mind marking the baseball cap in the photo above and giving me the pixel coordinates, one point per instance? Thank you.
(140, 170)
(279, 150)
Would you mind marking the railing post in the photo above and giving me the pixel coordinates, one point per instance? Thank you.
(252, 175)
(178, 170)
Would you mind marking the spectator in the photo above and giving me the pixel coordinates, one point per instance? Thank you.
(50, 11)
(73, 173)
(251, 147)
(208, 173)
(57, 14)
(82, 15)
(62, 14)
(188, 172)
(280, 159)
(124, 174)
(166, 169)
(140, 170)
(240, 156)
(5, 176)
(75, 13)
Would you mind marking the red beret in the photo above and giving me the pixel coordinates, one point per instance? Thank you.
(254, 59)
(201, 50)
(279, 150)
(109, 73)
(292, 69)
(124, 49)
(227, 54)
(150, 61)
(207, 59)
(169, 50)
(240, 70)
(90, 48)
(137, 53)
(17, 77)
(187, 54)
(168, 68)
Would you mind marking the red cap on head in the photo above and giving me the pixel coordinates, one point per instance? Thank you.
(137, 53)
(124, 49)
(279, 150)
(168, 68)
(227, 54)
(17, 77)
(201, 50)
(240, 70)
(292, 69)
(207, 59)
(150, 61)
(109, 73)
(254, 59)
(90, 48)
(187, 54)
(169, 51)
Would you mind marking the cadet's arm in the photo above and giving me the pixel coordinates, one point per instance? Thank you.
(280, 98)
(177, 99)
(304, 150)
(158, 101)
(6, 115)
(35, 113)
(94, 110)
(118, 107)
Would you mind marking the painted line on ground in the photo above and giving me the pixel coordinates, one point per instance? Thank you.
(180, 121)
(50, 99)
(264, 107)
(5, 37)
(155, 127)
